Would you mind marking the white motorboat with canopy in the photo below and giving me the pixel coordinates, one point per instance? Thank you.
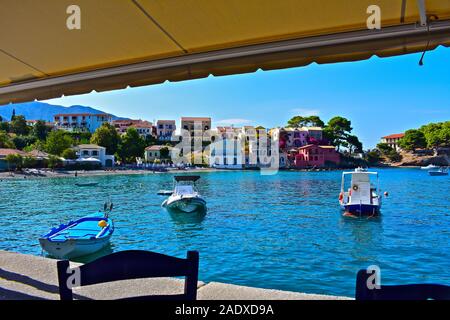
(185, 198)
(362, 198)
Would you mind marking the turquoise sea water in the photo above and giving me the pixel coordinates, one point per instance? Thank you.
(283, 231)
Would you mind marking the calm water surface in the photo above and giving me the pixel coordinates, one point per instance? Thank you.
(283, 231)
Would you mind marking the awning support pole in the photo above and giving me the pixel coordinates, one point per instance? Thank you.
(422, 12)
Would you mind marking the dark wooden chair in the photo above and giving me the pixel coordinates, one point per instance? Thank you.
(399, 292)
(134, 264)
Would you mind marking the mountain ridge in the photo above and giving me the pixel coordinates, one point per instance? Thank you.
(45, 111)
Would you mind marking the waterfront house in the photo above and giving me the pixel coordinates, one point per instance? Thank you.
(81, 122)
(153, 153)
(143, 127)
(197, 125)
(4, 152)
(88, 152)
(165, 129)
(299, 137)
(226, 149)
(314, 156)
(392, 140)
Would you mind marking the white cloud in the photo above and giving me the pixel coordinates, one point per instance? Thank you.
(305, 112)
(229, 122)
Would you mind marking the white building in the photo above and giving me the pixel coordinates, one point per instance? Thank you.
(143, 127)
(226, 149)
(392, 140)
(88, 152)
(165, 129)
(83, 122)
(238, 148)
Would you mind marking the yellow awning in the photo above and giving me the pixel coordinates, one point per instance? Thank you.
(140, 42)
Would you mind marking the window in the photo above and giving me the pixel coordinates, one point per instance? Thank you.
(95, 153)
(85, 153)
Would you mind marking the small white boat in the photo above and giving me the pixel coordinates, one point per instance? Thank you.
(184, 197)
(80, 237)
(429, 167)
(362, 198)
(439, 172)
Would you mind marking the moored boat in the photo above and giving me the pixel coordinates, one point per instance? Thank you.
(429, 167)
(81, 237)
(439, 172)
(362, 198)
(184, 197)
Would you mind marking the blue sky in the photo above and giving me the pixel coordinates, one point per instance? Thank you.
(380, 96)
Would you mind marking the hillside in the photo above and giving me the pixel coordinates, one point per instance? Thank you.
(44, 111)
(411, 159)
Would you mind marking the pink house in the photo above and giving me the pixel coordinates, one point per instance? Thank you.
(315, 155)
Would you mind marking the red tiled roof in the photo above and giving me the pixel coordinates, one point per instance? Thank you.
(80, 114)
(157, 148)
(195, 119)
(5, 152)
(394, 136)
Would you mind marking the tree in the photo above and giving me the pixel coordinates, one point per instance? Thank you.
(354, 144)
(53, 161)
(164, 152)
(337, 131)
(311, 121)
(19, 125)
(69, 153)
(372, 157)
(384, 148)
(150, 140)
(412, 140)
(29, 162)
(437, 134)
(40, 130)
(394, 156)
(131, 146)
(5, 141)
(57, 142)
(14, 160)
(4, 126)
(23, 141)
(106, 136)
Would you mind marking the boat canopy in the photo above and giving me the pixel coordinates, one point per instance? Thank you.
(360, 173)
(186, 178)
(55, 48)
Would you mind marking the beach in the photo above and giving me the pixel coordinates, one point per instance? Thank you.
(47, 173)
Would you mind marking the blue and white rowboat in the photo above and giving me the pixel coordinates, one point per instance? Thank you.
(78, 238)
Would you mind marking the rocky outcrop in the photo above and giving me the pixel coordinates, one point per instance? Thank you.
(411, 159)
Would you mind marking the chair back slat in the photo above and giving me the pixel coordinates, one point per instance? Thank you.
(399, 292)
(133, 264)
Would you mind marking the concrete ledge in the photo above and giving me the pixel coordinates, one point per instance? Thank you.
(224, 291)
(26, 277)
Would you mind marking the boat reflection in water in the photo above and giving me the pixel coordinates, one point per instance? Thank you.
(180, 217)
